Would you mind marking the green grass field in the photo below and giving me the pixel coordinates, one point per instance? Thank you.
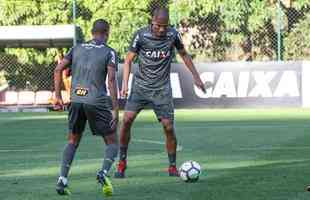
(245, 154)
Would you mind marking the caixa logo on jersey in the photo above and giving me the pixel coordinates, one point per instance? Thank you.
(157, 54)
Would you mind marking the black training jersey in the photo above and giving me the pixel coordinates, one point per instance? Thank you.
(155, 56)
(89, 66)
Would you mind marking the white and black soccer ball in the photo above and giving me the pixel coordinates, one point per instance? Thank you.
(190, 171)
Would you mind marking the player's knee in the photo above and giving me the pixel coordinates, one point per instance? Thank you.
(127, 121)
(168, 126)
(75, 143)
(169, 129)
(124, 138)
(111, 139)
(74, 139)
(171, 137)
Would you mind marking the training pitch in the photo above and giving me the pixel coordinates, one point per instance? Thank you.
(245, 154)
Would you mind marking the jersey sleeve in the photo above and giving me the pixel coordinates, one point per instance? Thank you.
(113, 60)
(135, 43)
(178, 42)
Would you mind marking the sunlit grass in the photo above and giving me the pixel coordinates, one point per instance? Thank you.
(247, 154)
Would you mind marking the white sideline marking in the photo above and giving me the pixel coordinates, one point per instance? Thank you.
(221, 125)
(276, 148)
(179, 147)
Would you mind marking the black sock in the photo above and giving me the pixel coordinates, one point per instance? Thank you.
(123, 153)
(67, 159)
(172, 159)
(110, 155)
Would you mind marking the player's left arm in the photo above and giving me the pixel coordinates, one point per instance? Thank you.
(112, 85)
(189, 63)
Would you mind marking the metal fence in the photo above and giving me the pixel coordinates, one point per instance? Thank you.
(212, 31)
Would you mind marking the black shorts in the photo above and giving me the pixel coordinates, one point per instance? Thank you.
(99, 118)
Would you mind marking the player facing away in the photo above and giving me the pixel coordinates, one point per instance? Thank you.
(90, 63)
(154, 46)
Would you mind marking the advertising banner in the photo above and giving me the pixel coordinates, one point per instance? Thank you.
(229, 84)
(238, 84)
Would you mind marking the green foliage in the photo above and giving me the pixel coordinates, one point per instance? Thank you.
(235, 26)
(229, 22)
(298, 41)
(17, 73)
(213, 30)
(125, 17)
(261, 12)
(33, 65)
(222, 22)
(299, 4)
(37, 12)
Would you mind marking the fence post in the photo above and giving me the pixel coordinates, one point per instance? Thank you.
(175, 13)
(279, 33)
(74, 20)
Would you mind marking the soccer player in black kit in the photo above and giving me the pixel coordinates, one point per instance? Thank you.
(90, 64)
(154, 46)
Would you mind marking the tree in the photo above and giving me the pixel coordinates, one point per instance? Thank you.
(298, 41)
(29, 62)
(213, 30)
(125, 16)
(216, 26)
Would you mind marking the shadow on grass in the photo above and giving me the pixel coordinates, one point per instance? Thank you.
(272, 181)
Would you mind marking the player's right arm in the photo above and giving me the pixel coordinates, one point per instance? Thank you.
(63, 64)
(58, 104)
(126, 72)
(134, 48)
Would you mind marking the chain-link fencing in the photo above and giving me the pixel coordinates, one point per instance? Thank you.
(30, 68)
(212, 31)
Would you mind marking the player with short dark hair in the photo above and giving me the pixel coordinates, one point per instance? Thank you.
(91, 63)
(154, 45)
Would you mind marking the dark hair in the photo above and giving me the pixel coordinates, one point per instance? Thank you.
(161, 11)
(100, 26)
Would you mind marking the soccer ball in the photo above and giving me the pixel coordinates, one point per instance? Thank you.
(190, 171)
